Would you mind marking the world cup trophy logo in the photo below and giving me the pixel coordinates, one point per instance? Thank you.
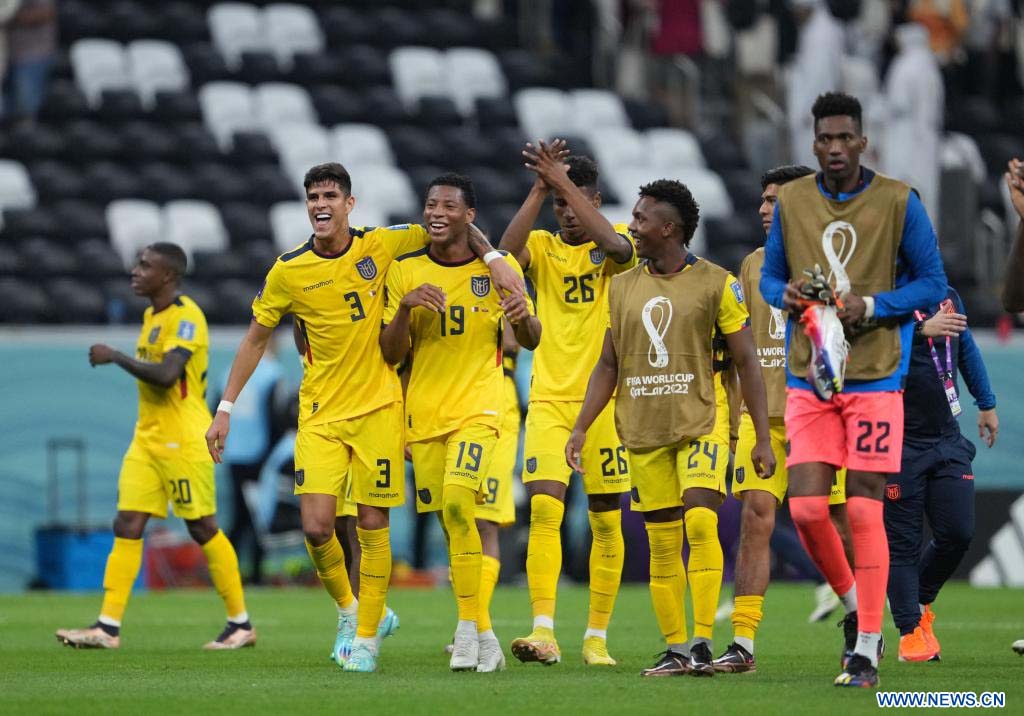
(777, 324)
(839, 257)
(656, 317)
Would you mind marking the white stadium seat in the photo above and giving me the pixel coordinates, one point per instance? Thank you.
(417, 72)
(472, 72)
(671, 148)
(133, 224)
(194, 226)
(289, 223)
(99, 65)
(235, 27)
(228, 107)
(16, 190)
(282, 102)
(300, 146)
(593, 108)
(618, 148)
(386, 188)
(156, 65)
(366, 216)
(544, 113)
(355, 144)
(291, 28)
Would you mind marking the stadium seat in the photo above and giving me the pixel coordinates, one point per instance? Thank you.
(317, 68)
(98, 65)
(345, 26)
(617, 148)
(133, 224)
(289, 222)
(291, 28)
(234, 28)
(76, 301)
(279, 103)
(11, 263)
(234, 301)
(252, 148)
(494, 112)
(744, 187)
(246, 223)
(42, 262)
(336, 104)
(300, 145)
(27, 223)
(645, 115)
(258, 66)
(722, 152)
(383, 107)
(355, 144)
(162, 182)
(195, 143)
(270, 185)
(98, 260)
(59, 180)
(118, 105)
(23, 301)
(194, 225)
(123, 306)
(31, 143)
(149, 141)
(204, 296)
(183, 22)
(471, 73)
(64, 102)
(177, 106)
(421, 176)
(669, 148)
(130, 20)
(706, 186)
(220, 184)
(156, 65)
(227, 107)
(466, 146)
(205, 64)
(522, 70)
(494, 186)
(593, 108)
(414, 146)
(80, 19)
(260, 256)
(544, 112)
(398, 27)
(217, 265)
(364, 66)
(80, 220)
(436, 112)
(997, 149)
(417, 72)
(16, 190)
(972, 115)
(105, 181)
(387, 188)
(89, 141)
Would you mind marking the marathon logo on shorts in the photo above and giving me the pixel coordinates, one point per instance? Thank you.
(741, 472)
(367, 268)
(424, 496)
(967, 477)
(154, 334)
(481, 285)
(300, 477)
(596, 256)
(892, 492)
(531, 465)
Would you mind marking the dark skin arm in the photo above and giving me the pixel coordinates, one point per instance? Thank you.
(518, 230)
(741, 345)
(603, 380)
(1013, 284)
(163, 374)
(547, 163)
(851, 314)
(395, 338)
(503, 276)
(526, 327)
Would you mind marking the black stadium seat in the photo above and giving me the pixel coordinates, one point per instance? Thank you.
(270, 185)
(384, 107)
(494, 186)
(162, 182)
(363, 66)
(23, 301)
(246, 223)
(29, 143)
(26, 223)
(42, 262)
(57, 180)
(522, 69)
(493, 112)
(106, 181)
(345, 26)
(314, 68)
(205, 63)
(123, 306)
(88, 141)
(234, 301)
(645, 115)
(76, 301)
(183, 22)
(335, 105)
(260, 256)
(149, 142)
(80, 219)
(11, 263)
(119, 105)
(132, 20)
(464, 146)
(257, 67)
(196, 144)
(177, 106)
(64, 102)
(220, 183)
(395, 27)
(415, 146)
(78, 19)
(436, 112)
(98, 261)
(450, 28)
(249, 148)
(214, 265)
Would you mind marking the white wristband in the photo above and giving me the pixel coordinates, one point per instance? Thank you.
(491, 256)
(225, 406)
(869, 306)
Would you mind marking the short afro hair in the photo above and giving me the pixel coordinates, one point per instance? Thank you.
(582, 171)
(784, 175)
(330, 172)
(173, 255)
(675, 193)
(836, 104)
(460, 182)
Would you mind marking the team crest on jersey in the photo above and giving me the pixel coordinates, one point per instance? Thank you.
(300, 477)
(892, 492)
(424, 496)
(741, 472)
(186, 330)
(596, 256)
(367, 268)
(153, 334)
(531, 465)
(481, 285)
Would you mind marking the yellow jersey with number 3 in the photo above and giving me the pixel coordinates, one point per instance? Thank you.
(338, 301)
(572, 303)
(174, 420)
(457, 371)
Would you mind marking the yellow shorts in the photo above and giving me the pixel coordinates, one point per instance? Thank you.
(744, 476)
(499, 505)
(461, 458)
(661, 475)
(147, 482)
(346, 506)
(548, 425)
(369, 446)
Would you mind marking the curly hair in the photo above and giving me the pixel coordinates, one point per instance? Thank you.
(460, 182)
(332, 171)
(679, 197)
(784, 175)
(582, 171)
(836, 104)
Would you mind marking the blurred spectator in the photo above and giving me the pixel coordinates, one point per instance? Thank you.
(32, 44)
(915, 99)
(7, 10)
(987, 38)
(816, 69)
(946, 22)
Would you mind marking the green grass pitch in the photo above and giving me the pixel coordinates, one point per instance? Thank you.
(160, 668)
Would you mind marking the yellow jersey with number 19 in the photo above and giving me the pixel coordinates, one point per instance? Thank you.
(572, 302)
(338, 301)
(172, 421)
(457, 370)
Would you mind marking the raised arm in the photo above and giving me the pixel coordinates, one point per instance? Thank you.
(518, 230)
(600, 388)
(162, 374)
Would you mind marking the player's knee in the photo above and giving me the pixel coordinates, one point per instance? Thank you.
(317, 534)
(128, 526)
(456, 517)
(809, 511)
(603, 503)
(202, 531)
(757, 519)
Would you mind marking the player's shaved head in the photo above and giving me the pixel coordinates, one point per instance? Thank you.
(172, 255)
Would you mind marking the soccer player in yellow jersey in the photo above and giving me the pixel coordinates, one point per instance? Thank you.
(350, 401)
(571, 271)
(659, 354)
(167, 460)
(441, 305)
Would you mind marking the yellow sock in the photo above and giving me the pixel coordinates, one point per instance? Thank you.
(123, 564)
(668, 579)
(704, 569)
(329, 561)
(489, 570)
(464, 551)
(227, 580)
(606, 555)
(374, 577)
(544, 554)
(747, 616)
